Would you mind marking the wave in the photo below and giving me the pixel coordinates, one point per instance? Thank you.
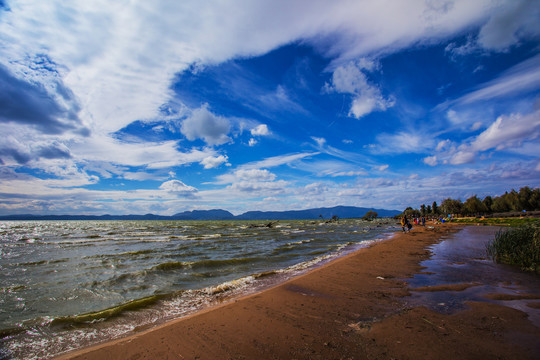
(44, 262)
(101, 315)
(173, 265)
(123, 254)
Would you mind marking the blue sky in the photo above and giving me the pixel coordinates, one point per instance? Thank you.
(160, 107)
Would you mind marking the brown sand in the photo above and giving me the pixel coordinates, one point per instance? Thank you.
(351, 308)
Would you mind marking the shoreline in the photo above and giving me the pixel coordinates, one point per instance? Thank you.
(352, 307)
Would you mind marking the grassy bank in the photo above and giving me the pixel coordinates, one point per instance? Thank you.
(506, 221)
(518, 246)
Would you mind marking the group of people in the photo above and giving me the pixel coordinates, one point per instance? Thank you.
(406, 225)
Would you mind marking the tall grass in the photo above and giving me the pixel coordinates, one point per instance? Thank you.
(518, 246)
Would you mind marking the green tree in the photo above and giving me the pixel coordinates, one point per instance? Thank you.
(451, 206)
(500, 204)
(535, 199)
(435, 208)
(524, 197)
(411, 212)
(474, 206)
(423, 209)
(512, 198)
(370, 215)
(428, 209)
(488, 202)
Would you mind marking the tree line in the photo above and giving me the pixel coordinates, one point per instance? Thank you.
(525, 199)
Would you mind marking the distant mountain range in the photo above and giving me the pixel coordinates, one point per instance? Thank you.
(343, 212)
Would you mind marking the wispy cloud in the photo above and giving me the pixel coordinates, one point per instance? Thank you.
(518, 79)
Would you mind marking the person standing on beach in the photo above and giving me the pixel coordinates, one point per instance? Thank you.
(405, 223)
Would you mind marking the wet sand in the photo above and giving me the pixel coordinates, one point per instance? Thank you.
(410, 297)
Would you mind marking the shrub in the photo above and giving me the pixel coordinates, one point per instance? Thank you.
(518, 246)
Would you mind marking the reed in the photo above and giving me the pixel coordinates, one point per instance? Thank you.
(519, 246)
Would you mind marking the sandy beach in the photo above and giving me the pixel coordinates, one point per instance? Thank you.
(382, 302)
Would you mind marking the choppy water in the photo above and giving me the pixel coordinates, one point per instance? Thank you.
(66, 284)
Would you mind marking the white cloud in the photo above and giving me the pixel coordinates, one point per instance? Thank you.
(403, 142)
(317, 188)
(258, 188)
(510, 21)
(352, 192)
(260, 130)
(516, 133)
(508, 131)
(349, 173)
(443, 145)
(252, 142)
(366, 97)
(477, 125)
(256, 182)
(211, 162)
(383, 167)
(431, 160)
(203, 124)
(463, 157)
(254, 175)
(154, 155)
(178, 188)
(320, 141)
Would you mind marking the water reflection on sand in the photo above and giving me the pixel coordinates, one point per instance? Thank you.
(459, 271)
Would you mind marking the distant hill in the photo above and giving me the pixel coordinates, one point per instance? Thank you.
(216, 214)
(343, 212)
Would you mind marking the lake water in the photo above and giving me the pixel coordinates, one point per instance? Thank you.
(67, 284)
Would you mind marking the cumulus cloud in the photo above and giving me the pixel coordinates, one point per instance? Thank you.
(178, 188)
(257, 182)
(431, 160)
(211, 162)
(464, 156)
(203, 124)
(508, 131)
(366, 97)
(254, 174)
(514, 132)
(260, 130)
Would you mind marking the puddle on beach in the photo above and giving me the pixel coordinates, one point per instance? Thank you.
(459, 271)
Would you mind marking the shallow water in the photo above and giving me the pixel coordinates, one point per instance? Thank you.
(65, 284)
(462, 258)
